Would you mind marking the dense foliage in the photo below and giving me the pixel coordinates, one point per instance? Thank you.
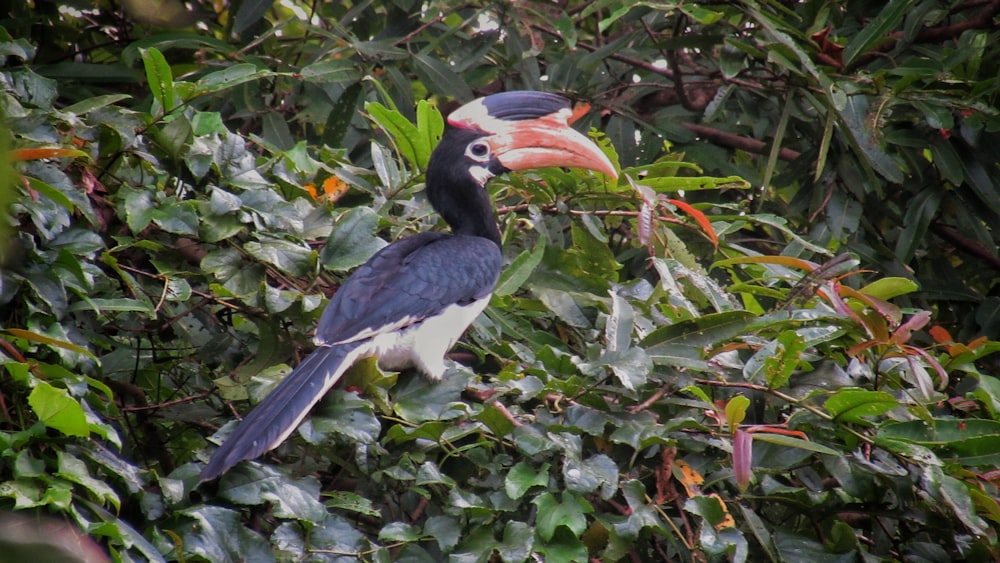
(772, 339)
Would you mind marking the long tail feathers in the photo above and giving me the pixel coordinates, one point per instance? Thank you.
(281, 411)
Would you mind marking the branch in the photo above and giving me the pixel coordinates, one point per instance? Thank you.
(973, 247)
(982, 20)
(727, 139)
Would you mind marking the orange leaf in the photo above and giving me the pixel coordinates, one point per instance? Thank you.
(777, 430)
(787, 261)
(38, 153)
(579, 111)
(728, 521)
(699, 218)
(689, 477)
(976, 343)
(334, 188)
(940, 334)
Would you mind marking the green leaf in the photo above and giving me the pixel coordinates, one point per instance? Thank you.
(177, 217)
(921, 209)
(972, 442)
(523, 476)
(955, 495)
(334, 70)
(621, 322)
(338, 122)
(353, 240)
(988, 393)
(877, 31)
(159, 78)
(520, 269)
(777, 360)
(386, 168)
(346, 414)
(251, 484)
(227, 78)
(351, 502)
(217, 534)
(440, 79)
(139, 209)
(420, 400)
(248, 13)
(405, 135)
(790, 441)
(632, 366)
(518, 541)
(852, 405)
(553, 514)
(708, 507)
(399, 532)
(56, 409)
(855, 116)
(73, 469)
(736, 411)
(430, 127)
(102, 305)
(596, 472)
(52, 193)
(39, 338)
(290, 258)
(446, 530)
(887, 288)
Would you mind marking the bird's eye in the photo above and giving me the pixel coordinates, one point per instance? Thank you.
(478, 151)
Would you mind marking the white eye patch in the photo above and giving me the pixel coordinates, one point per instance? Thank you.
(478, 151)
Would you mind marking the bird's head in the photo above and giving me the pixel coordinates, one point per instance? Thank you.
(496, 134)
(521, 130)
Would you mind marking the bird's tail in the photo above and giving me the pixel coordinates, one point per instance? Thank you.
(281, 411)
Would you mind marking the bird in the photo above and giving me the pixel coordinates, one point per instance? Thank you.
(410, 303)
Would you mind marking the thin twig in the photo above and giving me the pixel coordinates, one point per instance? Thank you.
(650, 400)
(167, 404)
(506, 413)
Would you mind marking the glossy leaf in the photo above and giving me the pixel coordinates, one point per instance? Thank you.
(853, 405)
(56, 409)
(352, 240)
(159, 78)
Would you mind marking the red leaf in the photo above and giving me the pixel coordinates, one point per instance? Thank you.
(699, 218)
(940, 334)
(742, 458)
(39, 153)
(905, 330)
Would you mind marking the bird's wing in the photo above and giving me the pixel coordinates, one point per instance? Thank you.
(409, 281)
(281, 411)
(405, 283)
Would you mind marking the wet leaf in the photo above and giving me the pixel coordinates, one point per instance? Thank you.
(56, 409)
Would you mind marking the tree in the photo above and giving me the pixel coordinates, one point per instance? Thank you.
(773, 339)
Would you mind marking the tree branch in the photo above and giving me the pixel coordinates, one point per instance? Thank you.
(970, 246)
(727, 139)
(982, 20)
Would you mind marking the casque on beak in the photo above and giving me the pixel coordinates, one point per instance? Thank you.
(533, 130)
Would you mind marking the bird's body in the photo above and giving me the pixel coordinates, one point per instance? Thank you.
(412, 300)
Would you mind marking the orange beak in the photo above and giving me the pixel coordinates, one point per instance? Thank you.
(540, 143)
(533, 130)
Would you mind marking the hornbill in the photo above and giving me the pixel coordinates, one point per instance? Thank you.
(414, 298)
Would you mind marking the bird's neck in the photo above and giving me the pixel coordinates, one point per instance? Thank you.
(466, 208)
